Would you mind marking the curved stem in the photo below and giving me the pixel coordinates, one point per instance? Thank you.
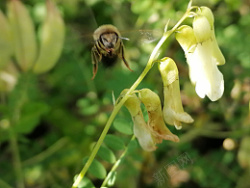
(117, 107)
(115, 166)
(48, 152)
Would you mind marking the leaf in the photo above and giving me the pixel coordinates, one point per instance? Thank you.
(133, 144)
(26, 124)
(114, 142)
(96, 168)
(87, 107)
(106, 154)
(123, 126)
(85, 183)
(36, 108)
(30, 117)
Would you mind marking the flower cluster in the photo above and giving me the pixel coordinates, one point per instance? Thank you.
(203, 55)
(154, 131)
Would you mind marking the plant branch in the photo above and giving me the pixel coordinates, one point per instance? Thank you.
(117, 107)
(115, 166)
(48, 152)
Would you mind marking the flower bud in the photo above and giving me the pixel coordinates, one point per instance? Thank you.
(51, 40)
(141, 130)
(172, 110)
(6, 41)
(25, 46)
(156, 123)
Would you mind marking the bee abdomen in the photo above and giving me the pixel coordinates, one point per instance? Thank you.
(109, 61)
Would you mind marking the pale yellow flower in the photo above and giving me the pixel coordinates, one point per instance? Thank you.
(172, 110)
(203, 55)
(154, 131)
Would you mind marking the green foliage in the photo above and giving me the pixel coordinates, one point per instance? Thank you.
(123, 126)
(55, 117)
(114, 142)
(106, 154)
(96, 169)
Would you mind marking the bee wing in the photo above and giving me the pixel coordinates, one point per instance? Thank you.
(84, 25)
(142, 36)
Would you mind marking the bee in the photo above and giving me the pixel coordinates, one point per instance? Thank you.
(108, 46)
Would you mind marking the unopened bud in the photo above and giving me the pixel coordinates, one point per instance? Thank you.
(51, 40)
(25, 46)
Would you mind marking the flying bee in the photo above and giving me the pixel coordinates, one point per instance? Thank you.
(108, 46)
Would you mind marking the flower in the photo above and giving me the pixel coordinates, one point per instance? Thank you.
(203, 54)
(155, 116)
(172, 110)
(154, 131)
(141, 130)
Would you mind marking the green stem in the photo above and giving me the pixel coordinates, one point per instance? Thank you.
(16, 160)
(117, 107)
(15, 108)
(115, 166)
(3, 184)
(45, 154)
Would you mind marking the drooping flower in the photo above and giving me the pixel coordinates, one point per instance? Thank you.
(141, 130)
(155, 116)
(154, 131)
(172, 110)
(203, 54)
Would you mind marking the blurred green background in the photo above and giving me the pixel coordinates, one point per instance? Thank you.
(65, 111)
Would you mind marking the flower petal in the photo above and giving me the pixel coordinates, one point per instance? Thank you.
(209, 80)
(205, 11)
(156, 123)
(173, 110)
(143, 133)
(141, 130)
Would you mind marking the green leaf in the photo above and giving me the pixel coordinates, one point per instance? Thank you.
(96, 168)
(30, 117)
(87, 107)
(106, 154)
(26, 124)
(123, 126)
(114, 142)
(85, 183)
(36, 108)
(133, 145)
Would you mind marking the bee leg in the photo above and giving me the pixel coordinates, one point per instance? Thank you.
(122, 56)
(96, 57)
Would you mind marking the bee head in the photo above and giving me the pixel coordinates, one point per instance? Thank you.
(109, 40)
